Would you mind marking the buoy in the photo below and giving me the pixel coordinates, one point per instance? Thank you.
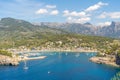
(48, 72)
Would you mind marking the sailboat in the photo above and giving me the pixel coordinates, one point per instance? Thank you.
(25, 65)
(66, 53)
(77, 55)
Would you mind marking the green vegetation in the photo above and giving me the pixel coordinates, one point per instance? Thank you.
(16, 33)
(55, 41)
(6, 53)
(112, 48)
(116, 77)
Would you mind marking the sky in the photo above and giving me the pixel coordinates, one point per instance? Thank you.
(99, 12)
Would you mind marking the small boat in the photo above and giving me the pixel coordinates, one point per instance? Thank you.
(87, 54)
(25, 65)
(77, 55)
(49, 72)
(66, 53)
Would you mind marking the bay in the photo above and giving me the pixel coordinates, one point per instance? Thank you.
(59, 66)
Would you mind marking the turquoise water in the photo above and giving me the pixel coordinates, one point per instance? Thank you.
(59, 66)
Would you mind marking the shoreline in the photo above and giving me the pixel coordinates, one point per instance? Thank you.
(16, 59)
(35, 51)
(104, 60)
(9, 61)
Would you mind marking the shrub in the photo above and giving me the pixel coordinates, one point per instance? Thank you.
(116, 77)
(6, 53)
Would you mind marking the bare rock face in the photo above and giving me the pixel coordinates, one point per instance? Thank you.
(104, 60)
(117, 59)
(8, 61)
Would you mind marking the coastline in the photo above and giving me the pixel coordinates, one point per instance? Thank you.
(42, 57)
(33, 58)
(9, 61)
(27, 51)
(14, 61)
(104, 60)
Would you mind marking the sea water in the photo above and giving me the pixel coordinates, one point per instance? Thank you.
(59, 66)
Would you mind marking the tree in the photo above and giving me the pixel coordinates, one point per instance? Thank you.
(116, 76)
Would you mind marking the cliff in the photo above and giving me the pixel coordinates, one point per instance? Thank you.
(105, 60)
(11, 61)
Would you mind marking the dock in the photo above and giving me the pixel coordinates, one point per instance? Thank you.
(31, 58)
(34, 58)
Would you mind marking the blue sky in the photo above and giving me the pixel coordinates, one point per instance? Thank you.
(100, 12)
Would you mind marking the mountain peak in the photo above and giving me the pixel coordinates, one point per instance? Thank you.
(7, 18)
(113, 23)
(87, 23)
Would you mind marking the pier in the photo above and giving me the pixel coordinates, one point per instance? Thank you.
(34, 58)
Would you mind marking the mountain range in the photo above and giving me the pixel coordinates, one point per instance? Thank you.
(112, 30)
(16, 26)
(16, 33)
(10, 27)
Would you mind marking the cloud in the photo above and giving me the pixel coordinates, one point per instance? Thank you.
(51, 6)
(103, 15)
(41, 11)
(76, 17)
(69, 18)
(85, 12)
(34, 10)
(22, 9)
(82, 16)
(96, 6)
(74, 13)
(104, 23)
(66, 13)
(83, 20)
(54, 12)
(113, 15)
(48, 9)
(78, 20)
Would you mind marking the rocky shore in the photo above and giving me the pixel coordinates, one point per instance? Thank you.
(105, 60)
(10, 61)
